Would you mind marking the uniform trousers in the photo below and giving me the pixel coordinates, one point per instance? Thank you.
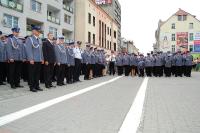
(15, 72)
(34, 75)
(77, 70)
(48, 74)
(120, 70)
(60, 74)
(112, 68)
(148, 71)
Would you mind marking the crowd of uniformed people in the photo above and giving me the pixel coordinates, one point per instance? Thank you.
(52, 60)
(46, 61)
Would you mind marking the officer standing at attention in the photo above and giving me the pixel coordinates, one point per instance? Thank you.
(148, 65)
(70, 63)
(188, 63)
(78, 58)
(168, 65)
(179, 64)
(61, 61)
(119, 64)
(126, 63)
(49, 60)
(15, 58)
(87, 58)
(2, 59)
(35, 58)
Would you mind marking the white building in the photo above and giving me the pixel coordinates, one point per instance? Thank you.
(56, 16)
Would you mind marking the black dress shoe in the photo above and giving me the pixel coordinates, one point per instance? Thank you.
(19, 86)
(2, 83)
(52, 86)
(47, 86)
(13, 87)
(39, 89)
(33, 90)
(59, 84)
(63, 84)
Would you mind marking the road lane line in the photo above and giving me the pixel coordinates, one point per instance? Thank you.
(25, 112)
(132, 120)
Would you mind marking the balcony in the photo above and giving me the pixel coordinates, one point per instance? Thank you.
(68, 8)
(12, 5)
(53, 20)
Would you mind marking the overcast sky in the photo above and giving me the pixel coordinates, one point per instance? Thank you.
(140, 18)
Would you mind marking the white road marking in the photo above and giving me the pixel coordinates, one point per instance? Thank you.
(25, 112)
(132, 120)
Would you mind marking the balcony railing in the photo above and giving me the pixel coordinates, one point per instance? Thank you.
(68, 8)
(12, 5)
(53, 19)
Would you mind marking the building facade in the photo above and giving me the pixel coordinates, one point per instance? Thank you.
(180, 32)
(56, 16)
(128, 46)
(113, 8)
(94, 26)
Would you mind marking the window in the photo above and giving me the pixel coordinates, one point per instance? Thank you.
(182, 17)
(10, 21)
(115, 34)
(89, 37)
(94, 21)
(191, 26)
(108, 30)
(191, 36)
(115, 47)
(173, 48)
(89, 18)
(191, 48)
(173, 26)
(94, 39)
(173, 37)
(54, 31)
(67, 19)
(36, 6)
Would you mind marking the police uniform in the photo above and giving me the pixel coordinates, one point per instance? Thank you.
(88, 62)
(158, 65)
(14, 51)
(133, 64)
(188, 64)
(179, 64)
(148, 65)
(119, 64)
(168, 65)
(35, 57)
(126, 64)
(141, 66)
(61, 61)
(2, 60)
(70, 63)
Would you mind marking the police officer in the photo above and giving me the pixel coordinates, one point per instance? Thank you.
(87, 58)
(158, 65)
(133, 64)
(126, 63)
(119, 64)
(15, 57)
(70, 63)
(61, 61)
(141, 65)
(188, 64)
(179, 64)
(35, 57)
(95, 65)
(168, 65)
(93, 62)
(2, 59)
(148, 65)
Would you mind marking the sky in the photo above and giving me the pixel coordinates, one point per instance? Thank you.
(140, 18)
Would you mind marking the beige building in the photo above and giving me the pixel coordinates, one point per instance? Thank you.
(128, 46)
(180, 32)
(94, 26)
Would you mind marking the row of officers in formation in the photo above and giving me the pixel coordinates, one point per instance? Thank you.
(35, 60)
(52, 59)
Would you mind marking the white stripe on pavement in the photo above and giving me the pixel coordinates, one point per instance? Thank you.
(25, 112)
(132, 120)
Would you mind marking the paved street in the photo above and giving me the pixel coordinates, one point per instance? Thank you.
(171, 105)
